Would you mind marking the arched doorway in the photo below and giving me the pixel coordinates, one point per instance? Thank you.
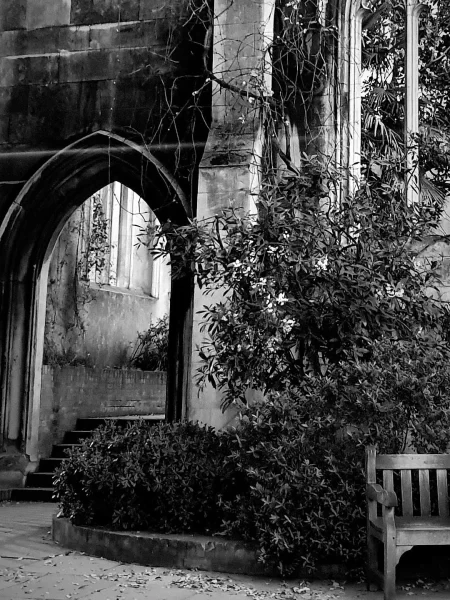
(27, 237)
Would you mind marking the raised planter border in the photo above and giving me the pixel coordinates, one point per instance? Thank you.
(159, 550)
(169, 550)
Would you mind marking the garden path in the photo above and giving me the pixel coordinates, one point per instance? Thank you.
(33, 567)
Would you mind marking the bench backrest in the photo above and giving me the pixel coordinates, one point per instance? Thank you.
(419, 480)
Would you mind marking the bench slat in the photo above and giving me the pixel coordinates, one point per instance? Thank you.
(407, 498)
(388, 480)
(413, 461)
(424, 488)
(442, 489)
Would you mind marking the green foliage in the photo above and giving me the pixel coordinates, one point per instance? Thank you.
(399, 399)
(96, 254)
(151, 351)
(301, 452)
(63, 358)
(303, 500)
(158, 477)
(288, 477)
(383, 117)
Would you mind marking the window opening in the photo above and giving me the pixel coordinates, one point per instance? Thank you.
(117, 228)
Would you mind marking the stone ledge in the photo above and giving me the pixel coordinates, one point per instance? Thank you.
(159, 550)
(170, 550)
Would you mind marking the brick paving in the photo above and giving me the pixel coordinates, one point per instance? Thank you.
(33, 567)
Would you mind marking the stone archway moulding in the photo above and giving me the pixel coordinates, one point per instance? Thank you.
(27, 237)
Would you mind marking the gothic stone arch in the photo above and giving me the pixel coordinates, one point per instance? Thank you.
(27, 236)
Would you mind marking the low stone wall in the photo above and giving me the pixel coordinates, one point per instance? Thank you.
(69, 393)
(174, 551)
(159, 550)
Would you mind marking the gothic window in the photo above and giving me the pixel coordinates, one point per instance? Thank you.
(117, 228)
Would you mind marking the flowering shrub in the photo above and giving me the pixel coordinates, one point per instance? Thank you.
(300, 453)
(308, 284)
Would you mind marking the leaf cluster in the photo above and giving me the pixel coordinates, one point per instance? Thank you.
(151, 350)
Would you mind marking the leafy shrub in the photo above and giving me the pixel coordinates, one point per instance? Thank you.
(399, 399)
(56, 357)
(305, 288)
(301, 453)
(160, 477)
(303, 502)
(289, 477)
(151, 350)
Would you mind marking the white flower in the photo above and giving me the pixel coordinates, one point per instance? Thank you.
(235, 265)
(281, 299)
(391, 292)
(287, 325)
(322, 263)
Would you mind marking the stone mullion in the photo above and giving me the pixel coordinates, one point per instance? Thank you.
(230, 168)
(357, 14)
(413, 10)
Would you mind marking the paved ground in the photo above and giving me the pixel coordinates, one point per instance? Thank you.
(32, 567)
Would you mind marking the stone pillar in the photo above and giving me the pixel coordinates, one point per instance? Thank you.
(413, 10)
(229, 172)
(358, 13)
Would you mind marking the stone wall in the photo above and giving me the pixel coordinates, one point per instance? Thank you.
(69, 393)
(71, 67)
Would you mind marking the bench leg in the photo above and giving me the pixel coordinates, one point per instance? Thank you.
(390, 562)
(372, 559)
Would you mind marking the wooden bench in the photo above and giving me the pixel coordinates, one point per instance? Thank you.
(407, 506)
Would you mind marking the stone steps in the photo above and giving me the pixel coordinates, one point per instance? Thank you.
(39, 485)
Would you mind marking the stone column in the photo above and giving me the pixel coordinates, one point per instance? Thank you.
(413, 10)
(229, 172)
(358, 13)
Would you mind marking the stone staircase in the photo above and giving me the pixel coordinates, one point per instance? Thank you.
(39, 485)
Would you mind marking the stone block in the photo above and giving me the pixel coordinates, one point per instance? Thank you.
(48, 109)
(20, 166)
(19, 97)
(42, 13)
(38, 41)
(74, 39)
(88, 12)
(125, 35)
(7, 43)
(93, 65)
(13, 14)
(29, 70)
(159, 9)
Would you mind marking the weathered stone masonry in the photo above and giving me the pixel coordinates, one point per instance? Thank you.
(82, 104)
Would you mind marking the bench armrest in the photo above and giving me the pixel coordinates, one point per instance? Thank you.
(380, 495)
